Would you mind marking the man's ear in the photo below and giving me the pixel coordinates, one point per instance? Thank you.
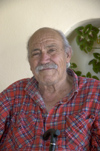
(68, 55)
(30, 64)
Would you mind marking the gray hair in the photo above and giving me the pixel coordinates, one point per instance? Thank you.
(66, 44)
(64, 39)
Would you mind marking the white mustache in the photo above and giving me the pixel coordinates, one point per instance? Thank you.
(46, 66)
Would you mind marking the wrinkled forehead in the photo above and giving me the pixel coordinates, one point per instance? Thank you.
(44, 36)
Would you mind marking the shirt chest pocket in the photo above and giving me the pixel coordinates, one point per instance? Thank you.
(23, 130)
(78, 131)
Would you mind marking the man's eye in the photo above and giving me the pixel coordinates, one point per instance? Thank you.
(35, 54)
(51, 50)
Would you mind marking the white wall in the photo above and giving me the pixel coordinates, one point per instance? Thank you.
(20, 18)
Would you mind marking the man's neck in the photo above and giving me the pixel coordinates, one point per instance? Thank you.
(56, 90)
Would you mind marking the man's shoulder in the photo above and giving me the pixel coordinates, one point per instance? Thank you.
(15, 90)
(19, 84)
(83, 80)
(89, 83)
(88, 80)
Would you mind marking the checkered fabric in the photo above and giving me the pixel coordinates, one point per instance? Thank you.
(24, 119)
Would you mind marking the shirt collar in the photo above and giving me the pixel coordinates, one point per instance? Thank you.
(75, 79)
(32, 86)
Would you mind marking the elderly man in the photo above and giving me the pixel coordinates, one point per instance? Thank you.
(54, 98)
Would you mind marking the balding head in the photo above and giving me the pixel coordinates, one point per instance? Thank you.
(42, 33)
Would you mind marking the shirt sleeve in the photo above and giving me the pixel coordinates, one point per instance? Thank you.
(95, 146)
(4, 112)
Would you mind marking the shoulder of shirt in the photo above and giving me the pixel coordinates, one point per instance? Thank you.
(81, 79)
(88, 79)
(20, 83)
(90, 82)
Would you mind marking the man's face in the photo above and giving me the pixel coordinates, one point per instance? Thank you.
(47, 57)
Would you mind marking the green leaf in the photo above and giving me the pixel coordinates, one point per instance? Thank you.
(95, 69)
(73, 65)
(91, 61)
(94, 62)
(96, 55)
(79, 30)
(89, 43)
(85, 51)
(98, 66)
(92, 35)
(88, 75)
(87, 29)
(89, 49)
(83, 76)
(95, 77)
(80, 40)
(78, 73)
(95, 29)
(82, 47)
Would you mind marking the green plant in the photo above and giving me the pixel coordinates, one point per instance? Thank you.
(95, 62)
(86, 36)
(79, 73)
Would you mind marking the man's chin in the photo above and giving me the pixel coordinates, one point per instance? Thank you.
(47, 81)
(47, 73)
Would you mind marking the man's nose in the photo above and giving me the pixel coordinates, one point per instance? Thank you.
(45, 58)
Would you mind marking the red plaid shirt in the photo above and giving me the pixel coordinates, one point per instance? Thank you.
(23, 117)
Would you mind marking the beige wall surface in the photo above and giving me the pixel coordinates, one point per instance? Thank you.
(20, 18)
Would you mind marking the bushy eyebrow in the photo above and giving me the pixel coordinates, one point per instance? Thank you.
(48, 46)
(52, 45)
(36, 49)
